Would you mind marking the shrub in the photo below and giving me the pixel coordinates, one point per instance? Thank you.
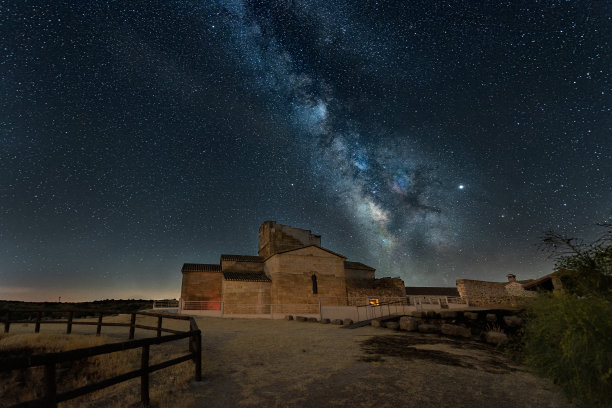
(569, 339)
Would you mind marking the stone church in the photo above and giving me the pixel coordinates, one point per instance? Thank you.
(292, 273)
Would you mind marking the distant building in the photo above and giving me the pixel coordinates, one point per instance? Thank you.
(487, 293)
(292, 273)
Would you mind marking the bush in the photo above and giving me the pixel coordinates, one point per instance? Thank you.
(569, 339)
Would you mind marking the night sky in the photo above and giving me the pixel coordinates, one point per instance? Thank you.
(431, 140)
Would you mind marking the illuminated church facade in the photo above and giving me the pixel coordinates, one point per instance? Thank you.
(291, 274)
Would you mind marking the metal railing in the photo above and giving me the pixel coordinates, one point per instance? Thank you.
(165, 304)
(50, 361)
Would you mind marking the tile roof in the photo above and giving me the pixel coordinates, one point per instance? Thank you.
(246, 276)
(242, 258)
(431, 291)
(357, 265)
(189, 267)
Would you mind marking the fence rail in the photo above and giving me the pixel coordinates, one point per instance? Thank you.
(50, 360)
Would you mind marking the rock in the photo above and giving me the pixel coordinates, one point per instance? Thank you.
(288, 317)
(471, 315)
(337, 321)
(496, 338)
(347, 321)
(430, 314)
(428, 328)
(447, 314)
(375, 323)
(301, 318)
(392, 325)
(513, 321)
(417, 314)
(313, 319)
(490, 317)
(454, 330)
(408, 324)
(325, 321)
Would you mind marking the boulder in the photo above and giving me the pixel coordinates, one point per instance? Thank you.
(288, 317)
(375, 323)
(428, 328)
(471, 315)
(301, 318)
(337, 321)
(447, 314)
(325, 321)
(491, 317)
(513, 321)
(347, 321)
(496, 338)
(454, 330)
(408, 324)
(392, 325)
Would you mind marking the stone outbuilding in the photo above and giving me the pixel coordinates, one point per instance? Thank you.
(292, 273)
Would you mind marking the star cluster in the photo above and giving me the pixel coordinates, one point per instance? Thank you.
(432, 140)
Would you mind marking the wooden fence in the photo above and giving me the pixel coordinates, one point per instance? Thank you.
(50, 360)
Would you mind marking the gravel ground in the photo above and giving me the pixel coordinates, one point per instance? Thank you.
(279, 363)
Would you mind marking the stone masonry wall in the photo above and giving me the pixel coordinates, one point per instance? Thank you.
(246, 297)
(291, 275)
(201, 286)
(475, 288)
(274, 238)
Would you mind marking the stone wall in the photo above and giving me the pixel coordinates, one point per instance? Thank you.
(291, 275)
(384, 289)
(274, 238)
(475, 288)
(516, 289)
(483, 293)
(246, 297)
(202, 286)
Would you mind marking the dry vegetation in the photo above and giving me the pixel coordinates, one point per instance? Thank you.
(264, 363)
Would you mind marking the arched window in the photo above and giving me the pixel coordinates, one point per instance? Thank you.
(315, 290)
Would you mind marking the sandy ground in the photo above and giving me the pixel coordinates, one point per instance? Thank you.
(278, 363)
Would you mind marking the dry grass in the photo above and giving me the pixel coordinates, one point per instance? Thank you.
(24, 385)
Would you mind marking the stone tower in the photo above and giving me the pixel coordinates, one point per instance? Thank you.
(275, 238)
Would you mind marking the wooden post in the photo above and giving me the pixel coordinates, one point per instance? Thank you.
(132, 325)
(159, 326)
(144, 377)
(7, 322)
(37, 327)
(197, 356)
(50, 386)
(69, 326)
(99, 326)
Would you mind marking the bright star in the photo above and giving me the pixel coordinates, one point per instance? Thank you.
(461, 186)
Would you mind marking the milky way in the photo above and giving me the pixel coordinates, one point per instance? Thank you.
(433, 141)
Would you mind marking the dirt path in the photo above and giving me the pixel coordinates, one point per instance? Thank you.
(278, 363)
(263, 363)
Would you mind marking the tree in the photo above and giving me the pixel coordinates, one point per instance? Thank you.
(585, 268)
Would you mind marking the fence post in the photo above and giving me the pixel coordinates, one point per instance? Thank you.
(99, 326)
(144, 377)
(37, 327)
(50, 386)
(7, 322)
(69, 325)
(159, 326)
(132, 325)
(197, 356)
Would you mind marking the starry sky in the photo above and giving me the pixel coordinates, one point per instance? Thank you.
(431, 140)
